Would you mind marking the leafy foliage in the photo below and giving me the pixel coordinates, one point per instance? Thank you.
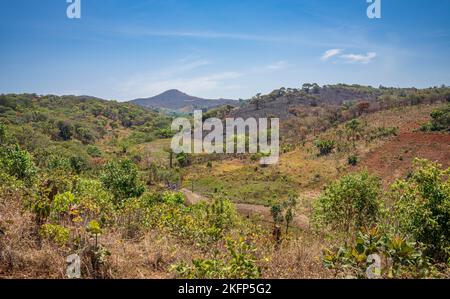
(17, 162)
(122, 179)
(241, 262)
(325, 146)
(284, 212)
(398, 257)
(350, 203)
(423, 207)
(57, 233)
(440, 120)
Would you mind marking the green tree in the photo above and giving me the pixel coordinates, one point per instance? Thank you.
(353, 130)
(65, 130)
(122, 179)
(18, 163)
(350, 203)
(423, 207)
(2, 134)
(440, 119)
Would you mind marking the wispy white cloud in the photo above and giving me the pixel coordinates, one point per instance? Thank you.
(301, 38)
(279, 65)
(179, 76)
(331, 53)
(348, 58)
(138, 31)
(359, 58)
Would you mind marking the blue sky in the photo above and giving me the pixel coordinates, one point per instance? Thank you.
(123, 49)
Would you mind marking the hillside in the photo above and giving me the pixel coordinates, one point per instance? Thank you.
(81, 129)
(177, 101)
(97, 178)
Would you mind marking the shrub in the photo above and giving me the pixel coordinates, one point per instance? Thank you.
(18, 163)
(63, 202)
(350, 203)
(171, 198)
(165, 133)
(65, 130)
(440, 119)
(353, 160)
(78, 164)
(57, 233)
(94, 151)
(325, 146)
(94, 199)
(382, 132)
(57, 162)
(122, 179)
(398, 258)
(2, 134)
(183, 159)
(221, 216)
(423, 207)
(353, 130)
(84, 135)
(241, 263)
(284, 212)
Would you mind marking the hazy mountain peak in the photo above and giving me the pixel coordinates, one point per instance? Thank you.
(177, 100)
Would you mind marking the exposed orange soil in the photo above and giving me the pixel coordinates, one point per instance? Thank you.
(394, 158)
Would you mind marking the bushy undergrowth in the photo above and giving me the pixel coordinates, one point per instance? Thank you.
(61, 194)
(412, 239)
(440, 120)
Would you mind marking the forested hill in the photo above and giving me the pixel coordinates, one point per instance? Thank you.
(50, 125)
(355, 99)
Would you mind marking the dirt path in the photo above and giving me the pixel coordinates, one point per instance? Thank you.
(248, 210)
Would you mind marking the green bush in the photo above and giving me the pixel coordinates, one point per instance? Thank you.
(18, 163)
(183, 159)
(171, 198)
(350, 203)
(56, 233)
(94, 151)
(122, 179)
(440, 120)
(423, 207)
(221, 216)
(284, 212)
(78, 164)
(2, 134)
(325, 146)
(353, 160)
(398, 257)
(63, 202)
(241, 263)
(94, 199)
(65, 130)
(84, 134)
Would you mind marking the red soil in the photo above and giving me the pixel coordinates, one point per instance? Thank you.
(393, 159)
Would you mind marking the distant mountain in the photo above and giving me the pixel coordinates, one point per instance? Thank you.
(175, 100)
